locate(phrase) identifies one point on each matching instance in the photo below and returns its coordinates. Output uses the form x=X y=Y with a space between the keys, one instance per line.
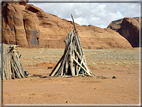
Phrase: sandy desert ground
x=106 y=63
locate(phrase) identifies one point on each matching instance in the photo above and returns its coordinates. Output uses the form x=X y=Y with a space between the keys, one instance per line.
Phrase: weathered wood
x=19 y=65
x=73 y=67
x=68 y=39
x=12 y=69
x=76 y=66
x=60 y=70
x=78 y=41
x=66 y=67
x=7 y=72
x=77 y=37
x=73 y=55
x=4 y=78
x=73 y=58
x=4 y=75
x=78 y=46
x=56 y=70
x=82 y=61
x=56 y=67
x=67 y=61
x=11 y=63
x=79 y=57
x=70 y=58
x=81 y=66
x=9 y=68
x=77 y=54
x=15 y=66
x=63 y=61
x=60 y=61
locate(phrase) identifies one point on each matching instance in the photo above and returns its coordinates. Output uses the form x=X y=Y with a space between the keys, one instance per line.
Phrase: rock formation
x=13 y=26
x=26 y=25
x=128 y=28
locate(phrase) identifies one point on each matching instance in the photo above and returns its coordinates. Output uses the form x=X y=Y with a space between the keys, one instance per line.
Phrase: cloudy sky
x=98 y=14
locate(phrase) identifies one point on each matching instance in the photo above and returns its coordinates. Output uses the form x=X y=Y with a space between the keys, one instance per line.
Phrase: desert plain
x=123 y=64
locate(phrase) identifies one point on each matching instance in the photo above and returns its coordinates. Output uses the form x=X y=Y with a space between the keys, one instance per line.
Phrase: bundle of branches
x=12 y=67
x=73 y=61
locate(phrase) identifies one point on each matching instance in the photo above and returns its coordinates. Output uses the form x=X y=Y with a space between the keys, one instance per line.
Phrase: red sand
x=74 y=90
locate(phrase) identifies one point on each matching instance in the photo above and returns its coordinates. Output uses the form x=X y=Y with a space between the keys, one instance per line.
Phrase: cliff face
x=27 y=26
x=128 y=28
x=13 y=26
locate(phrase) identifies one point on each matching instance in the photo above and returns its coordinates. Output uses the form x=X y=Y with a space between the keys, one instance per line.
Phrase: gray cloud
x=98 y=14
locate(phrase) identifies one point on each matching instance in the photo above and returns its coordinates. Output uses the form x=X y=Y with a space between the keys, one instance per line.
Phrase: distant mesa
x=27 y=26
x=129 y=28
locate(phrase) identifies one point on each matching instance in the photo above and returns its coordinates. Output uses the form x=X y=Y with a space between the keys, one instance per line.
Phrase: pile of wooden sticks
x=12 y=67
x=73 y=61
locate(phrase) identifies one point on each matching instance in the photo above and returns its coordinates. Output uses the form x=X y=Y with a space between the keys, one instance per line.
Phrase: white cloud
x=98 y=14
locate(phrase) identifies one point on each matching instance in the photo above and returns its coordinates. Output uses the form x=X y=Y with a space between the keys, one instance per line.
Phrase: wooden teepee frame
x=73 y=61
x=12 y=67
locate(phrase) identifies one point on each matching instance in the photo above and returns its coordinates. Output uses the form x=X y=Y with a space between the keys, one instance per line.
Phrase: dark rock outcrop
x=128 y=28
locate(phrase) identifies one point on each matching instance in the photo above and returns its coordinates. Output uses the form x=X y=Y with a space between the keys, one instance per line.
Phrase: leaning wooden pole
x=77 y=37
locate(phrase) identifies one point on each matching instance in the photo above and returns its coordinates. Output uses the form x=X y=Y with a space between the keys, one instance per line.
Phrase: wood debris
x=12 y=67
x=73 y=61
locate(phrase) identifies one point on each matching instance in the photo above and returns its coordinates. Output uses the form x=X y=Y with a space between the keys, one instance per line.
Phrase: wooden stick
x=4 y=63
x=73 y=67
x=4 y=67
x=15 y=70
x=82 y=61
x=12 y=68
x=78 y=46
x=19 y=65
x=4 y=78
x=77 y=38
x=81 y=66
x=70 y=59
x=76 y=66
x=7 y=72
x=66 y=67
x=15 y=67
x=9 y=67
x=63 y=58
x=56 y=67
x=60 y=70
